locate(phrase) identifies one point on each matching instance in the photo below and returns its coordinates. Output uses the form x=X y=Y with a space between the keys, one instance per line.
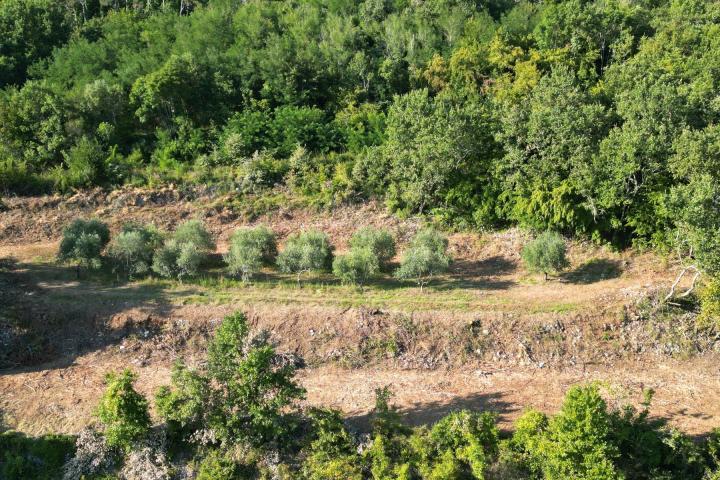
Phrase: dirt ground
x=487 y=335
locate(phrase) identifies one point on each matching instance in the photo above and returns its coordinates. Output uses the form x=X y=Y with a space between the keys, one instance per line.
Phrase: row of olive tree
x=141 y=249
x=238 y=415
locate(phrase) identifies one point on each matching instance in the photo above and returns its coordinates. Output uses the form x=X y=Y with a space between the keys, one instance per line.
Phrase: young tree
x=123 y=411
x=83 y=242
x=245 y=394
x=356 y=267
x=426 y=257
x=133 y=248
x=184 y=253
x=306 y=252
x=250 y=250
x=193 y=231
x=545 y=254
x=379 y=241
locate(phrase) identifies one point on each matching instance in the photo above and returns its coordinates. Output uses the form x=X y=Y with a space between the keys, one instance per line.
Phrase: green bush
x=132 y=249
x=356 y=267
x=306 y=252
x=83 y=242
x=83 y=166
x=332 y=454
x=545 y=254
x=123 y=411
x=243 y=374
x=250 y=250
x=710 y=304
x=425 y=258
x=185 y=252
x=217 y=466
x=378 y=240
x=40 y=458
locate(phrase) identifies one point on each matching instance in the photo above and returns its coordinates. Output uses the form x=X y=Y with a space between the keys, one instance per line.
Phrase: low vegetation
x=545 y=254
x=238 y=416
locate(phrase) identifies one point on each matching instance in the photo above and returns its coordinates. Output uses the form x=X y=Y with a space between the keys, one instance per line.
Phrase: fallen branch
x=680 y=276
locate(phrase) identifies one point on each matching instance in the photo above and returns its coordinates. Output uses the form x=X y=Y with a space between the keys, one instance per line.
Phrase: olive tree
x=83 y=242
x=357 y=266
x=379 y=241
x=425 y=258
x=545 y=254
x=250 y=250
x=133 y=248
x=306 y=252
x=184 y=252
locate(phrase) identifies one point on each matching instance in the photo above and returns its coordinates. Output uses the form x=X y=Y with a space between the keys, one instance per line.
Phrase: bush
x=306 y=252
x=243 y=374
x=84 y=166
x=83 y=242
x=545 y=254
x=426 y=257
x=193 y=231
x=217 y=466
x=133 y=248
x=379 y=241
x=710 y=304
x=185 y=252
x=332 y=454
x=23 y=457
x=123 y=411
x=250 y=250
x=356 y=267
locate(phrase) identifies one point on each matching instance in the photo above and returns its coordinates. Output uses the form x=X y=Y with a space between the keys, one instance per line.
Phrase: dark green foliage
x=306 y=252
x=250 y=250
x=83 y=242
x=123 y=411
x=41 y=458
x=243 y=374
x=545 y=254
x=133 y=249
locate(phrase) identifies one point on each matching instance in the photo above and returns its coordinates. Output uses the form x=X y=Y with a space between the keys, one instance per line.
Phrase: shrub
x=710 y=304
x=545 y=254
x=123 y=411
x=332 y=453
x=250 y=250
x=83 y=242
x=217 y=466
x=426 y=257
x=193 y=231
x=460 y=445
x=379 y=241
x=84 y=166
x=185 y=252
x=133 y=248
x=243 y=374
x=38 y=458
x=306 y=252
x=356 y=267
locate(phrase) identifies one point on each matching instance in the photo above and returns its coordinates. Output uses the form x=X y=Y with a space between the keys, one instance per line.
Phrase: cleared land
x=486 y=335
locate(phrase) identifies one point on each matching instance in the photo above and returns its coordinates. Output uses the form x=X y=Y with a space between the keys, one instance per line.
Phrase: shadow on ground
x=595 y=270
x=48 y=318
x=430 y=412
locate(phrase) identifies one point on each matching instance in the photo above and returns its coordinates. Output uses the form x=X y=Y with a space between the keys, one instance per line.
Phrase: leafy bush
x=545 y=254
x=39 y=458
x=426 y=257
x=332 y=454
x=217 y=466
x=185 y=252
x=250 y=250
x=243 y=374
x=306 y=252
x=356 y=267
x=83 y=163
x=83 y=242
x=710 y=304
x=123 y=411
x=379 y=241
x=133 y=248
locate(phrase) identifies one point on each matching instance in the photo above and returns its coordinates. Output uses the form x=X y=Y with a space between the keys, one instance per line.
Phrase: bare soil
x=487 y=335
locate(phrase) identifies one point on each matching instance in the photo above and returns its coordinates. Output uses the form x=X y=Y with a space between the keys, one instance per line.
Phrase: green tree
x=332 y=454
x=306 y=252
x=245 y=394
x=356 y=267
x=250 y=250
x=133 y=249
x=377 y=240
x=123 y=411
x=425 y=258
x=545 y=254
x=83 y=242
